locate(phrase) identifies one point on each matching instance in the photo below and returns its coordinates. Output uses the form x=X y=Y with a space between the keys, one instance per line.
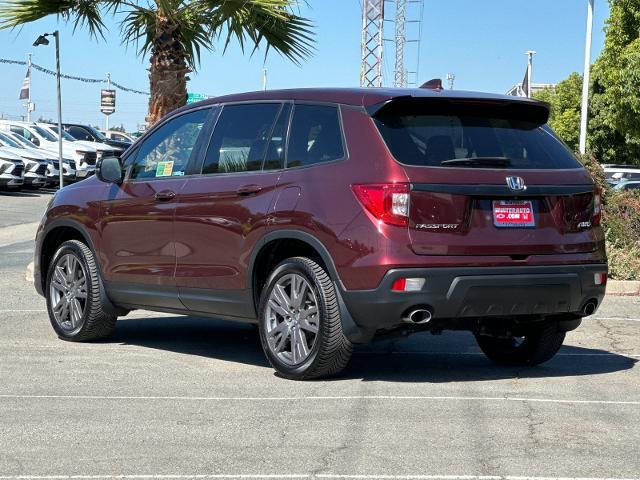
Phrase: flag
x=26 y=85
x=525 y=83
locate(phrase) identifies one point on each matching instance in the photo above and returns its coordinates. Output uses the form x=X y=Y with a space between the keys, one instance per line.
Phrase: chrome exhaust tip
x=418 y=316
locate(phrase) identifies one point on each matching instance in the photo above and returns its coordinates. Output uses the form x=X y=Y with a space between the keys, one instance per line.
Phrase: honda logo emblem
x=516 y=184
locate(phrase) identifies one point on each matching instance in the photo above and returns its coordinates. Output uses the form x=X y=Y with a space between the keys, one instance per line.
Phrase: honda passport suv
x=330 y=217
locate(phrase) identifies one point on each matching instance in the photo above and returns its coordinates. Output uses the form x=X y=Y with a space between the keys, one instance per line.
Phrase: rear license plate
x=513 y=214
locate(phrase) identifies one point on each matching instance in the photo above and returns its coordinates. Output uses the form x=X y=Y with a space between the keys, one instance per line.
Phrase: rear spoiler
x=529 y=110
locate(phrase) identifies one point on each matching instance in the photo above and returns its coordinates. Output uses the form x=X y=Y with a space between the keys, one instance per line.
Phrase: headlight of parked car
x=4 y=165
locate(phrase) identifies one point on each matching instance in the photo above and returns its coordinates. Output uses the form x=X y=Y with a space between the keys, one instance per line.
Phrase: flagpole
x=585 y=80
x=29 y=97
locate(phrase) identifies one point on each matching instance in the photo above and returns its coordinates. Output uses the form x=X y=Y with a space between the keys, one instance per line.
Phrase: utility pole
x=371 y=55
x=264 y=79
x=530 y=54
x=106 y=117
x=451 y=77
x=400 y=72
x=585 y=80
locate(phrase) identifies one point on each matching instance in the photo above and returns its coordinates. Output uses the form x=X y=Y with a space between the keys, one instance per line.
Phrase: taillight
x=597 y=207
x=387 y=202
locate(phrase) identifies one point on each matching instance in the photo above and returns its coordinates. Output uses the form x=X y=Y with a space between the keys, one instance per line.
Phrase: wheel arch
x=275 y=247
x=55 y=235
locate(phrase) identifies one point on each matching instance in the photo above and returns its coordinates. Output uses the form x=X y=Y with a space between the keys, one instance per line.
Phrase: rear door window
x=315 y=137
x=467 y=137
x=239 y=141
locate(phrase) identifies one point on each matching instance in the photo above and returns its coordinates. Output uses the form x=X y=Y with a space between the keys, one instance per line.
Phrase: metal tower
x=399 y=71
x=372 y=20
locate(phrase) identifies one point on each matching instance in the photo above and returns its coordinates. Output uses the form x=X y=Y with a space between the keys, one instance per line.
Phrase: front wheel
x=74 y=295
x=536 y=347
x=300 y=324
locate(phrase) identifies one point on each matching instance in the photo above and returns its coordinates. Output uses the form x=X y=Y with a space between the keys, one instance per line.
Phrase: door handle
x=249 y=190
x=165 y=195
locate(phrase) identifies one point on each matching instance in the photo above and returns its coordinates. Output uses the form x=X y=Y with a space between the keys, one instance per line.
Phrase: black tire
x=534 y=348
x=95 y=323
x=332 y=350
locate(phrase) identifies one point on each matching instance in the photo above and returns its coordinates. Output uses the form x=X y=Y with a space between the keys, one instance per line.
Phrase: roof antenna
x=433 y=84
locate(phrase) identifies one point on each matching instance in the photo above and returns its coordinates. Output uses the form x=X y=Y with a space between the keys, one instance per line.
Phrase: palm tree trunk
x=168 y=70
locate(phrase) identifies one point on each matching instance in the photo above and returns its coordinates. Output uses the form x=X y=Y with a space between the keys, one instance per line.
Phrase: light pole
x=530 y=55
x=585 y=80
x=42 y=40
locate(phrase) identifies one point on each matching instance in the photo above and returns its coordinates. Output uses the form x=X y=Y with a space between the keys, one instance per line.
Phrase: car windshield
x=46 y=134
x=65 y=135
x=8 y=141
x=96 y=133
x=20 y=139
x=472 y=138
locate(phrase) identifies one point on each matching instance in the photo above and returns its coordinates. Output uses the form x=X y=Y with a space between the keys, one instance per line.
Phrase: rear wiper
x=477 y=162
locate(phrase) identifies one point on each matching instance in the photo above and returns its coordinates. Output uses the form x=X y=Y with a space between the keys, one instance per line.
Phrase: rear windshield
x=472 y=140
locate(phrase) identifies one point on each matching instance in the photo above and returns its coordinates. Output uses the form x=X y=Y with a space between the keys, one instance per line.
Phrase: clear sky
x=482 y=42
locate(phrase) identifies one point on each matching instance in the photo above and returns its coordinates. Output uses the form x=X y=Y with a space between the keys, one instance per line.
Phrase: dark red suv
x=333 y=216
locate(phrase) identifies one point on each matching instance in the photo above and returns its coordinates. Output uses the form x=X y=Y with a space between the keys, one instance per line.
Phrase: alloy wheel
x=292 y=319
x=68 y=293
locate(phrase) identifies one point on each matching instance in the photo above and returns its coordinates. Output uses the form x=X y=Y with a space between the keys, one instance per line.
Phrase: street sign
x=107 y=101
x=195 y=97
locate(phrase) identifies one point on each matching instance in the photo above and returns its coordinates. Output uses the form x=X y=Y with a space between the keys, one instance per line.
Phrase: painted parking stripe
x=327 y=476
x=412 y=398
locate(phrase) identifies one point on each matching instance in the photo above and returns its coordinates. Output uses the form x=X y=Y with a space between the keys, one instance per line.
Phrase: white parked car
x=35 y=163
x=84 y=156
x=620 y=173
x=102 y=149
x=11 y=170
x=53 y=172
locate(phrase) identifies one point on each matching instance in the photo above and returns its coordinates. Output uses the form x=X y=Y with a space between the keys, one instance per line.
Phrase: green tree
x=175 y=31
x=564 y=100
x=615 y=99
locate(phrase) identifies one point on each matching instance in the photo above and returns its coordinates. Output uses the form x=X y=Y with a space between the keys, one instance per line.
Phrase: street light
x=42 y=40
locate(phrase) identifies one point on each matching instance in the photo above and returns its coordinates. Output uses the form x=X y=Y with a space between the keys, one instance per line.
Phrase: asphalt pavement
x=171 y=397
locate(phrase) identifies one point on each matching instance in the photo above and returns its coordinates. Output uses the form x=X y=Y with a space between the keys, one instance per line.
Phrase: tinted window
x=79 y=133
x=23 y=131
x=469 y=133
x=274 y=158
x=315 y=135
x=166 y=152
x=46 y=134
x=239 y=141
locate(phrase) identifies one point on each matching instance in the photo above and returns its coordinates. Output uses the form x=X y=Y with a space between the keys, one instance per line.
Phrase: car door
x=221 y=214
x=137 y=233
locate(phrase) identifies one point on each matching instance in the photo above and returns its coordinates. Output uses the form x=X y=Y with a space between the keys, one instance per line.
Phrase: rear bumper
x=466 y=293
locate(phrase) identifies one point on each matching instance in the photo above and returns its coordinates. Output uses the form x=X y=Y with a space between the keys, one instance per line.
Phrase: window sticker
x=164 y=169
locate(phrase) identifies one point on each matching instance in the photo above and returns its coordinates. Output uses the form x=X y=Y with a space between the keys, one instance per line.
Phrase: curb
x=623 y=287
x=29 y=275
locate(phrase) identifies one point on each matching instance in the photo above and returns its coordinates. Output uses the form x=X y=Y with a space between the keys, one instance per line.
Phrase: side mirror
x=109 y=170
x=35 y=141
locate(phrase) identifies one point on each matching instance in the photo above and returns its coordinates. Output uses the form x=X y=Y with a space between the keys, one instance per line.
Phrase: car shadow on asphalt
x=450 y=357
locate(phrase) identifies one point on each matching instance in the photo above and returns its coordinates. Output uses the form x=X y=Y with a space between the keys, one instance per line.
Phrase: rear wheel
x=538 y=346
x=300 y=323
x=74 y=295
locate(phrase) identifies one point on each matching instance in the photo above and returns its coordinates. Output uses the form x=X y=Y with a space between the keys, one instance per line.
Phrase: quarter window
x=315 y=136
x=167 y=151
x=239 y=142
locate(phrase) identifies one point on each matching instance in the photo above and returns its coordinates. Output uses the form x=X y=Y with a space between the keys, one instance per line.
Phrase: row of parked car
x=623 y=177
x=29 y=152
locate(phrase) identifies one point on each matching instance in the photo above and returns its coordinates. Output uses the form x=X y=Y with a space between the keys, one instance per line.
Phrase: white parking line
x=327 y=476
x=411 y=398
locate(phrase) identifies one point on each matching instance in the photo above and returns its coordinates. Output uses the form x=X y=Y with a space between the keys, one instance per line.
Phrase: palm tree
x=175 y=31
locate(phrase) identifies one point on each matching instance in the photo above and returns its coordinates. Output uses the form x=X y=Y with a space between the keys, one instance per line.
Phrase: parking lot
x=180 y=397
